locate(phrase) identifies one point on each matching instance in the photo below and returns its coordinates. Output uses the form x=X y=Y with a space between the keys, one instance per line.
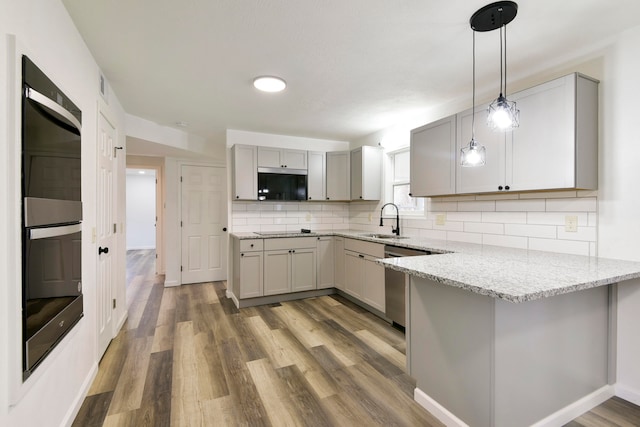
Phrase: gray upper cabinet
x=366 y=173
x=433 y=159
x=316 y=175
x=338 y=176
x=555 y=147
x=270 y=157
x=245 y=167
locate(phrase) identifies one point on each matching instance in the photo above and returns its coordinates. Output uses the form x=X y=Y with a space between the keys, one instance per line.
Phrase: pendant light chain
x=473 y=91
x=501 y=63
x=505 y=58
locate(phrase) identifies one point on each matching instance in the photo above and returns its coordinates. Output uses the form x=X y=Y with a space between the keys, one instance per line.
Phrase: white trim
x=577 y=408
x=437 y=410
x=233 y=297
x=558 y=418
x=120 y=324
x=171 y=283
x=77 y=402
x=627 y=393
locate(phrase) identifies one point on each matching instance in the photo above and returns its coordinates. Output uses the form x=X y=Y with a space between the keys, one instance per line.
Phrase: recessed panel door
x=204 y=237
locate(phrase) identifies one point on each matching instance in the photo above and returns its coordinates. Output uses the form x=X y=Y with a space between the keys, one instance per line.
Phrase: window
x=400 y=164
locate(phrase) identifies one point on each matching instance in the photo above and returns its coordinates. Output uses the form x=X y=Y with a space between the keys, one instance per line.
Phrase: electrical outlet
x=370 y=217
x=307 y=217
x=441 y=219
x=571 y=223
x=93 y=235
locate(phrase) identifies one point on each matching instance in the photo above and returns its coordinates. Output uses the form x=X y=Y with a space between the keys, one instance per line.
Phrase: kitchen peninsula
x=508 y=337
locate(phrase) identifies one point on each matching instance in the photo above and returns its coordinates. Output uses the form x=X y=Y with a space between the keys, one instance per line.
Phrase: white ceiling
x=353 y=67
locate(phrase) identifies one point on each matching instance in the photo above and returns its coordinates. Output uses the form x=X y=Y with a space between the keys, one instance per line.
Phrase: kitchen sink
x=384 y=236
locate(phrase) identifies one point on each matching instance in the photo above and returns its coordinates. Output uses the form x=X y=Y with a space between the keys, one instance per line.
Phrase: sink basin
x=384 y=236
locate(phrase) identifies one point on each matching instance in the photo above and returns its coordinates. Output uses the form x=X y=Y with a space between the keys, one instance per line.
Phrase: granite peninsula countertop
x=514 y=275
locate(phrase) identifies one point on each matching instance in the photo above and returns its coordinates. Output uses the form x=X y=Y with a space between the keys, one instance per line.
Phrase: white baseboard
x=82 y=394
x=437 y=410
x=628 y=394
x=577 y=408
x=120 y=324
x=171 y=283
x=558 y=418
x=233 y=298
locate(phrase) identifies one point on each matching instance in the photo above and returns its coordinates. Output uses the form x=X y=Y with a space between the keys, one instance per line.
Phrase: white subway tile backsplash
x=505 y=217
x=443 y=207
x=562 y=246
x=542 y=231
x=586 y=204
x=484 y=227
x=506 y=241
x=531 y=220
x=434 y=234
x=464 y=216
x=587 y=234
x=556 y=218
x=549 y=195
x=532 y=205
x=477 y=206
x=502 y=196
x=464 y=237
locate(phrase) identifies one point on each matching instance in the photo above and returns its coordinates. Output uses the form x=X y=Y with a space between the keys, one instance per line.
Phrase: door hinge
x=180 y=268
x=114 y=303
x=180 y=179
x=156 y=256
x=115 y=229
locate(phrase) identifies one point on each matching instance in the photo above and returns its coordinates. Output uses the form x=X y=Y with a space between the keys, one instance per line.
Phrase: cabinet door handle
x=361 y=256
x=410 y=194
x=500 y=187
x=361 y=197
x=293 y=251
x=252 y=245
x=237 y=197
x=241 y=254
x=224 y=228
x=506 y=187
x=327 y=198
x=309 y=198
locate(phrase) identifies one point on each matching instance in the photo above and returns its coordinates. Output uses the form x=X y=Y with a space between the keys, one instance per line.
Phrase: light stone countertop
x=514 y=275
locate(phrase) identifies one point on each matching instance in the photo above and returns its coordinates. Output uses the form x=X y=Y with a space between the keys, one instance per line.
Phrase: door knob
x=102 y=250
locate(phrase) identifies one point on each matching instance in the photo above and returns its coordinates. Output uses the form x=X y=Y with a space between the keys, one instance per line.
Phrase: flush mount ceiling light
x=503 y=114
x=269 y=84
x=473 y=155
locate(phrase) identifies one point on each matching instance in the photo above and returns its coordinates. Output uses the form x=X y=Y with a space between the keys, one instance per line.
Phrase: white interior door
x=106 y=239
x=204 y=224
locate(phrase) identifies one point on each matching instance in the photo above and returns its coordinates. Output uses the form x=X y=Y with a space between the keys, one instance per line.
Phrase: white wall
x=44 y=31
x=619 y=197
x=141 y=210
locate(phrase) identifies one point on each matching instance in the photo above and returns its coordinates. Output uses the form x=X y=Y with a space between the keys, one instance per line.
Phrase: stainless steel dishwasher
x=394 y=284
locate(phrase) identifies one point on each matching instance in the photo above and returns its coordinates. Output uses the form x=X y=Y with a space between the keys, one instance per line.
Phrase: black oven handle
x=44 y=233
x=36 y=96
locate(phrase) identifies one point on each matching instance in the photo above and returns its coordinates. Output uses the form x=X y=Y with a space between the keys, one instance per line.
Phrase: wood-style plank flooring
x=187 y=357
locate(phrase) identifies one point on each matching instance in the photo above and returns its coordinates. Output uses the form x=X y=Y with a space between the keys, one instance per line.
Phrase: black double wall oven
x=51 y=216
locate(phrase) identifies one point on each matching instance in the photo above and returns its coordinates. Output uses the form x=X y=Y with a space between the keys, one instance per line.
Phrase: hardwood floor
x=187 y=357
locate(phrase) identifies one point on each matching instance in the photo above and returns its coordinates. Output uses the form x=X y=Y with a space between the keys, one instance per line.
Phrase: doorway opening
x=142 y=222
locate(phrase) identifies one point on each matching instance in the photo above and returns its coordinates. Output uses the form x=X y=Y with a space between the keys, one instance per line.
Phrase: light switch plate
x=307 y=217
x=571 y=223
x=441 y=219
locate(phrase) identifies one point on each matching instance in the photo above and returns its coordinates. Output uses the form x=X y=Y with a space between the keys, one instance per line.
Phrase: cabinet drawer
x=250 y=245
x=374 y=249
x=290 y=243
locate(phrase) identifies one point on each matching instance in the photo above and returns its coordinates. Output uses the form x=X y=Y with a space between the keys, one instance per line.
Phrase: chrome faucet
x=396 y=230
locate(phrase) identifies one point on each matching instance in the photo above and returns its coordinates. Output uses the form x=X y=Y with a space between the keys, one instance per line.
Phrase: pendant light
x=503 y=115
x=473 y=154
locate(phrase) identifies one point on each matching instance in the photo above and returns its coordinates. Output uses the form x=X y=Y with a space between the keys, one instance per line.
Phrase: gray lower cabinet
x=364 y=279
x=339 y=261
x=248 y=278
x=289 y=265
x=326 y=262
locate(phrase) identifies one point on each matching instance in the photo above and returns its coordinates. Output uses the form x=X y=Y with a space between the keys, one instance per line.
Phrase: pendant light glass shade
x=473 y=155
x=503 y=114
